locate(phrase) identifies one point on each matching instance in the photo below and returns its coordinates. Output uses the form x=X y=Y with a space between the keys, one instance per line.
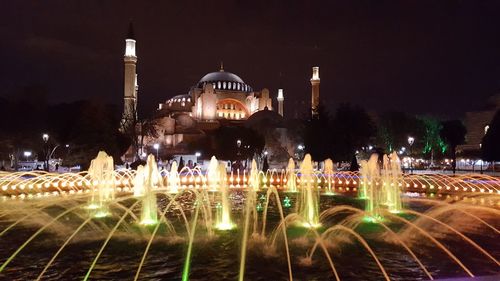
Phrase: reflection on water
x=217 y=258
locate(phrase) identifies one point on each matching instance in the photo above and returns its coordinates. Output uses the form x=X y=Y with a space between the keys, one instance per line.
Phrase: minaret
x=281 y=98
x=315 y=91
x=130 y=82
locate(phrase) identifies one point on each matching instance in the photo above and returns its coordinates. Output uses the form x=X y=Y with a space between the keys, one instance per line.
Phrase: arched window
x=231 y=109
x=486 y=128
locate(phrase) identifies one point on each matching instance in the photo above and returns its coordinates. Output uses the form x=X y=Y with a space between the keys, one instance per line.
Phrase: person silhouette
x=181 y=164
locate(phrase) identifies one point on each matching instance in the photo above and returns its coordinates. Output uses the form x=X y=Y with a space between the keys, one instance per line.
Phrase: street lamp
x=157 y=147
x=197 y=154
x=411 y=140
x=45 y=138
x=300 y=152
x=238 y=145
x=27 y=154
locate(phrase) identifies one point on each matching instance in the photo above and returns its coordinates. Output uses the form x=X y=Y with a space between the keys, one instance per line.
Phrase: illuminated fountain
x=249 y=213
x=371 y=188
x=151 y=179
x=391 y=178
x=139 y=181
x=174 y=180
x=223 y=217
x=291 y=178
x=328 y=174
x=448 y=227
x=380 y=185
x=363 y=181
x=254 y=181
x=102 y=179
x=308 y=197
x=213 y=174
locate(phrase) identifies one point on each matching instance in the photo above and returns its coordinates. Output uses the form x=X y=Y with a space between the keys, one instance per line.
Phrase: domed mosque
x=219 y=95
x=218 y=98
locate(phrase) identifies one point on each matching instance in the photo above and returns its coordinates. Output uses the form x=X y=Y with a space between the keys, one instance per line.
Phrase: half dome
x=265 y=118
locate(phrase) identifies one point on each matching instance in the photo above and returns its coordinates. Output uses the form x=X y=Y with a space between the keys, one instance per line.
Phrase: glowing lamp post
x=45 y=138
x=300 y=149
x=197 y=154
x=411 y=140
x=27 y=154
x=157 y=147
x=238 y=145
x=67 y=149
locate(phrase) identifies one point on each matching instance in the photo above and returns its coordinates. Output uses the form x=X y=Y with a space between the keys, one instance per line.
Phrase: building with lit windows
x=218 y=95
x=219 y=98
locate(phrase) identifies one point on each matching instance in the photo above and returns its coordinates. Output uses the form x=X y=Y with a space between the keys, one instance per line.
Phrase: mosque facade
x=219 y=97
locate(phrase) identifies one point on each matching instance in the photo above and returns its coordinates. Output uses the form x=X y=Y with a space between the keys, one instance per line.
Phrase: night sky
x=438 y=57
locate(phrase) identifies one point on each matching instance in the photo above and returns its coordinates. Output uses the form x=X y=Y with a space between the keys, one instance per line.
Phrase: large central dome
x=223 y=80
x=221 y=76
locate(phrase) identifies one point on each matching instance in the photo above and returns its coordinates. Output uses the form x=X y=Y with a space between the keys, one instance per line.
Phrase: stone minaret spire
x=130 y=82
x=281 y=98
x=315 y=91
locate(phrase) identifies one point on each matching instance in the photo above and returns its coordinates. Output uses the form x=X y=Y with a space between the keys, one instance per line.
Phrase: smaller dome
x=179 y=103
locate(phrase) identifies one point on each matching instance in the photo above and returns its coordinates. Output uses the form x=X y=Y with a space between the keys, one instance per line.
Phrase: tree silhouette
x=223 y=143
x=137 y=130
x=431 y=138
x=490 y=147
x=453 y=134
x=352 y=129
x=394 y=128
x=318 y=135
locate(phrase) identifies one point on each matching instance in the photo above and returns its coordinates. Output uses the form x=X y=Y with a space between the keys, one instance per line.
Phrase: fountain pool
x=327 y=225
